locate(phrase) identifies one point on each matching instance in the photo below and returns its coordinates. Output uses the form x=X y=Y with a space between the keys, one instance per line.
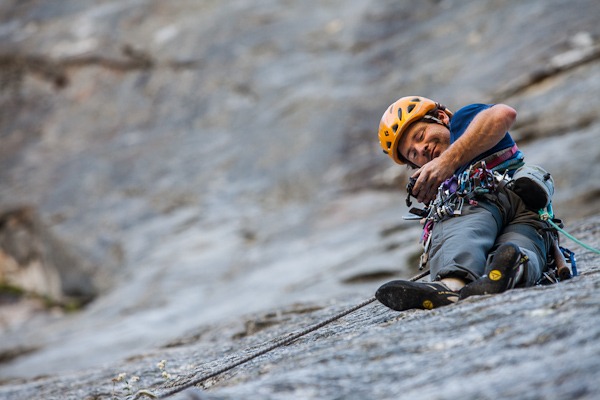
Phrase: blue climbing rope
x=547 y=216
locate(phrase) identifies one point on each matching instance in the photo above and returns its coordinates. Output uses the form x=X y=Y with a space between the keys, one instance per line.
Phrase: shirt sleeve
x=459 y=124
x=463 y=117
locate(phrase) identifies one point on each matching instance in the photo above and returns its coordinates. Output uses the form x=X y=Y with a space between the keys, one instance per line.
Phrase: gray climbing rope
x=279 y=343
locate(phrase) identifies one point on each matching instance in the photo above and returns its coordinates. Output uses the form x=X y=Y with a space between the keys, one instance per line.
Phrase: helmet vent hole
x=399 y=115
x=410 y=108
x=389 y=144
x=394 y=128
x=416 y=99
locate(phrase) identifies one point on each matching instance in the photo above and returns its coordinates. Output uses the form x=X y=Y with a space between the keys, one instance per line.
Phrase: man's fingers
x=421 y=182
x=427 y=191
x=424 y=194
x=427 y=196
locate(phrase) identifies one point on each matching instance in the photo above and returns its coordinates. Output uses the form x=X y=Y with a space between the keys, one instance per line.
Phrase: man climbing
x=482 y=232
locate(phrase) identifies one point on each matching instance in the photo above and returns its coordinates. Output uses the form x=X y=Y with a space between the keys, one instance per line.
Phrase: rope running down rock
x=279 y=343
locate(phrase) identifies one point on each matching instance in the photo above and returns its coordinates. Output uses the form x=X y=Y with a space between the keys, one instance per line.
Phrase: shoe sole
x=406 y=295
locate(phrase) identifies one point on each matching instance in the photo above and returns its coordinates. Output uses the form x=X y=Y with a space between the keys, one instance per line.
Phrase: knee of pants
x=460 y=245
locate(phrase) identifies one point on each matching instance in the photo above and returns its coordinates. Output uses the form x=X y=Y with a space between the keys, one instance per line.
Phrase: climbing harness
x=452 y=195
x=278 y=343
x=478 y=181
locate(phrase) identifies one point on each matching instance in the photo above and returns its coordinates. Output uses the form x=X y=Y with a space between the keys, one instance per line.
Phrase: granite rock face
x=216 y=163
x=32 y=259
x=534 y=343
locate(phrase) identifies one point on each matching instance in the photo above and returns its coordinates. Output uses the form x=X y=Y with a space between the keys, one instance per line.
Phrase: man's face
x=424 y=141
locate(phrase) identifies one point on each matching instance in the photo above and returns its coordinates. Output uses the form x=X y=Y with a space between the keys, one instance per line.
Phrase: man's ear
x=442 y=116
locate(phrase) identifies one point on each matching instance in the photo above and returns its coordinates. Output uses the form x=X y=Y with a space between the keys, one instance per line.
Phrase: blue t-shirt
x=459 y=123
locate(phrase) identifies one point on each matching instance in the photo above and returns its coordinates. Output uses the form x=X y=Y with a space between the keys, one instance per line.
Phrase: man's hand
x=429 y=178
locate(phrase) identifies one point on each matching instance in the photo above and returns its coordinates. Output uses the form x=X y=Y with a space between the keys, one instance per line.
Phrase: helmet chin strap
x=429 y=118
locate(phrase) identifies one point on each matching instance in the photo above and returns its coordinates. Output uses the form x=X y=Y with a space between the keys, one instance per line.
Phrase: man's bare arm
x=484 y=132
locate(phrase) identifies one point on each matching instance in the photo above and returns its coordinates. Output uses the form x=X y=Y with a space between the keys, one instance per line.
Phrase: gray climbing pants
x=461 y=246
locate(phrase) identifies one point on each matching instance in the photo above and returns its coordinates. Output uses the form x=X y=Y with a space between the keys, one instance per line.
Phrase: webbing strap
x=499 y=157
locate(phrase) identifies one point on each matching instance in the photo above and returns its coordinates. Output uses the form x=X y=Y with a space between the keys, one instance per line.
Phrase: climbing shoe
x=405 y=295
x=499 y=275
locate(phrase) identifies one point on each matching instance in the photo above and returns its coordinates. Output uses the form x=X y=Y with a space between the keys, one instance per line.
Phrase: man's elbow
x=506 y=114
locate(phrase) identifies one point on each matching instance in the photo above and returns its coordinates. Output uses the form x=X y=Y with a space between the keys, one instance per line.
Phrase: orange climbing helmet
x=399 y=116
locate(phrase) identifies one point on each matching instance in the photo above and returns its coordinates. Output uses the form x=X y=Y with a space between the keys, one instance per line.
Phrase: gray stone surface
x=534 y=343
x=32 y=259
x=217 y=164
